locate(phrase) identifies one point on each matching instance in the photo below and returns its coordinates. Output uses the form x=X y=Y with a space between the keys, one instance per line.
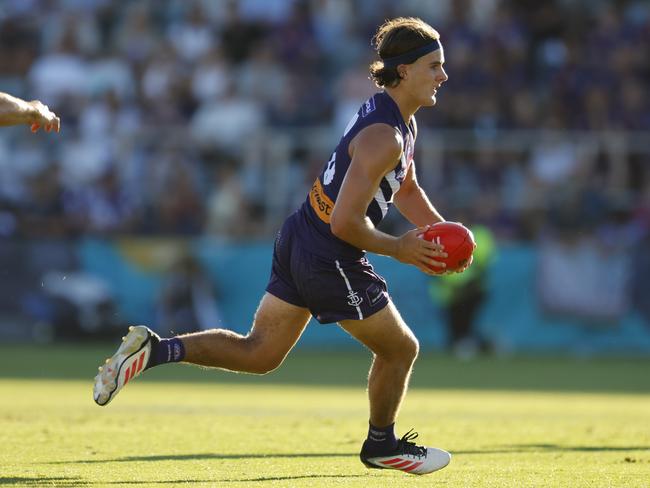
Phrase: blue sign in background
x=511 y=317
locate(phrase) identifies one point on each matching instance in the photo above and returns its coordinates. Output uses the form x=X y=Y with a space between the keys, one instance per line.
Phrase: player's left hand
x=42 y=116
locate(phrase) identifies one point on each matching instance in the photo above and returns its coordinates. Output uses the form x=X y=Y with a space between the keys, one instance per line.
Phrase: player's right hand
x=412 y=249
x=42 y=116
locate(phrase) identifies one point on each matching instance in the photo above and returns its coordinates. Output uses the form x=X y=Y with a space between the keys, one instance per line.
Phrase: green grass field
x=537 y=422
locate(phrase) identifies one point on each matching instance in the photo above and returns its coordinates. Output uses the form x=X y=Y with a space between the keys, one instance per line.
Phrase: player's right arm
x=374 y=151
x=15 y=111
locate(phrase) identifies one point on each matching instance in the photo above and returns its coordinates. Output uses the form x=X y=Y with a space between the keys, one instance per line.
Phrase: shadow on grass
x=509 y=449
x=42 y=480
x=260 y=479
x=515 y=448
x=191 y=457
x=65 y=481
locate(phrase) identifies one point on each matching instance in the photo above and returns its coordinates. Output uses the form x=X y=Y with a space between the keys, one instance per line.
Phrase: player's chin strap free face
x=412 y=56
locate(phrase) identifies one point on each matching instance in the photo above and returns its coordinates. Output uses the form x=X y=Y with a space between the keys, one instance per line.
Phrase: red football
x=458 y=241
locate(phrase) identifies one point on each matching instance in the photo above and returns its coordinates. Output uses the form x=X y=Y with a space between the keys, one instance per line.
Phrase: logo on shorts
x=374 y=294
x=354 y=299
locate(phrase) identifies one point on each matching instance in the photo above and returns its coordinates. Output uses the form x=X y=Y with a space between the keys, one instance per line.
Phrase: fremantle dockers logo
x=354 y=299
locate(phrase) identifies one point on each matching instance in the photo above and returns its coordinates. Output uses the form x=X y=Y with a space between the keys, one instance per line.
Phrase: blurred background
x=191 y=129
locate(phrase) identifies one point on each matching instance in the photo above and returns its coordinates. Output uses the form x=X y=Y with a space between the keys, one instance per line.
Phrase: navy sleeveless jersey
x=315 y=213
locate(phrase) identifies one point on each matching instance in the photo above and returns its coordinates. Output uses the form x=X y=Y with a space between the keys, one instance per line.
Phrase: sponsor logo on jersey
x=368 y=107
x=320 y=202
x=354 y=299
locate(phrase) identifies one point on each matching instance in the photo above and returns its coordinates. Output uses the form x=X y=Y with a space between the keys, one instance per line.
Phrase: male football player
x=319 y=266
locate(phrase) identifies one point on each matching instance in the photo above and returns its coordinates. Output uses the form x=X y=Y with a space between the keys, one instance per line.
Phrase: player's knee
x=404 y=351
x=412 y=349
x=264 y=364
x=408 y=350
x=262 y=359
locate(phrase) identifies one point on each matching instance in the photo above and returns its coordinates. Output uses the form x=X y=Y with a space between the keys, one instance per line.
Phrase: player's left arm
x=413 y=203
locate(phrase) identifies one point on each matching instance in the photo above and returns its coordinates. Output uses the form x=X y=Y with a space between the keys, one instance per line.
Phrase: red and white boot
x=128 y=362
x=408 y=457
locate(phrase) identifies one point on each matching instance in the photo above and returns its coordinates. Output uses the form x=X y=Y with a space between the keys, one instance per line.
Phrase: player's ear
x=402 y=71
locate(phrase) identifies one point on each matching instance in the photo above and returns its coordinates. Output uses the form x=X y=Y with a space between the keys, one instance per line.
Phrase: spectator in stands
x=225 y=68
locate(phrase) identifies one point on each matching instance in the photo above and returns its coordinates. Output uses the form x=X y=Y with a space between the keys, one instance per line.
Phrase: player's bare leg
x=276 y=328
x=395 y=349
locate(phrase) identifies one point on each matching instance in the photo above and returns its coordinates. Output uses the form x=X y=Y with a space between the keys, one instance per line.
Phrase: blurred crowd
x=160 y=102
